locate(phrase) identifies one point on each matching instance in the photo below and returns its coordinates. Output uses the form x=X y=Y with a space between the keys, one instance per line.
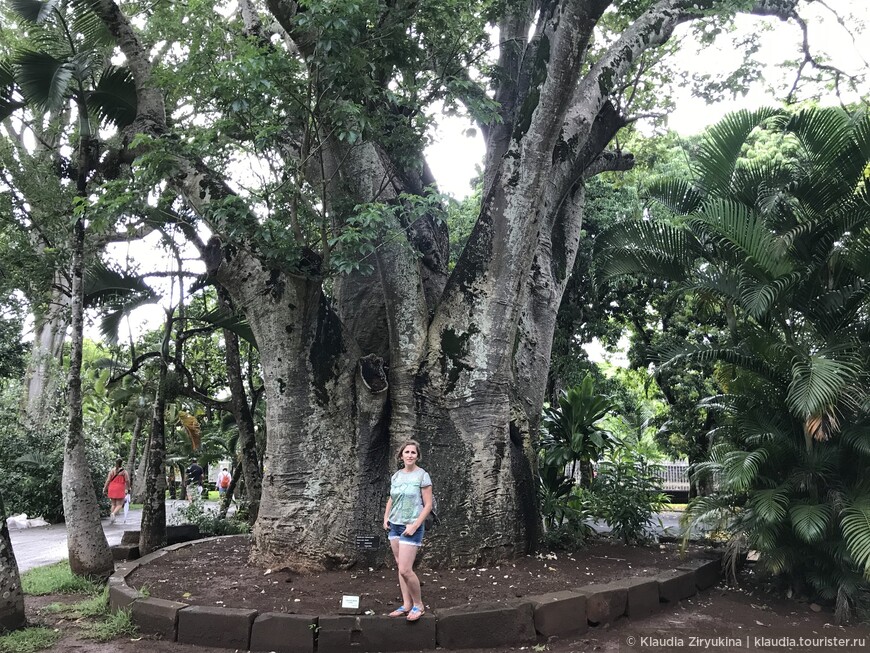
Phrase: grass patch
x=94 y=606
x=114 y=625
x=28 y=640
x=56 y=579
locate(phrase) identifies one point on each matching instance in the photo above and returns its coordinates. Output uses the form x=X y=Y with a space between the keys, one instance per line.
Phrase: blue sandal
x=399 y=612
x=415 y=613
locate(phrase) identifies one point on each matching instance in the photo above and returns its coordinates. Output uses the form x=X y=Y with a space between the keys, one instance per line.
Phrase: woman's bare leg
x=407 y=600
x=407 y=554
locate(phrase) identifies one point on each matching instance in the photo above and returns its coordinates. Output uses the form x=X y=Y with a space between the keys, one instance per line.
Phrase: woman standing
x=409 y=503
x=116 y=487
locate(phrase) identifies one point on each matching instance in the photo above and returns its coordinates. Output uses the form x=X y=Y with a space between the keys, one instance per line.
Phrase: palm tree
x=782 y=246
x=68 y=63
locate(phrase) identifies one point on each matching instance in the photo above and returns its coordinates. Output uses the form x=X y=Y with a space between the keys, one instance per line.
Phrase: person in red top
x=116 y=487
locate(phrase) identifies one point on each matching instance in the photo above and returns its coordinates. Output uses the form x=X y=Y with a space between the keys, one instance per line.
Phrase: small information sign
x=368 y=541
x=349 y=602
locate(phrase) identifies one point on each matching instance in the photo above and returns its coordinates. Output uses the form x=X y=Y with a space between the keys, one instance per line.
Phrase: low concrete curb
x=473 y=626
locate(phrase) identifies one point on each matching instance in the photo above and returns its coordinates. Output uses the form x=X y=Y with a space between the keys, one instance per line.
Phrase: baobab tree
x=368 y=333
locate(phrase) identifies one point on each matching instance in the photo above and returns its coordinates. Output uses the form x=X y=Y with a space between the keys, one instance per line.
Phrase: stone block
x=125 y=552
x=283 y=633
x=157 y=617
x=130 y=537
x=221 y=627
x=151 y=557
x=560 y=613
x=340 y=634
x=643 y=596
x=121 y=595
x=486 y=626
x=183 y=533
x=123 y=570
x=707 y=572
x=676 y=585
x=605 y=603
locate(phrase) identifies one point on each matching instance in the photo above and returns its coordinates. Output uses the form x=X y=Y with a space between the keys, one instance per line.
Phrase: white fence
x=675 y=476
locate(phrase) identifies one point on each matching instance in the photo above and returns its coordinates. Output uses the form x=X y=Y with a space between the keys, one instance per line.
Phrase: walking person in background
x=116 y=488
x=223 y=482
x=194 y=479
x=409 y=503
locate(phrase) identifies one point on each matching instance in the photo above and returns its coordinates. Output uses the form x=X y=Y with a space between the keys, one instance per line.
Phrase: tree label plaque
x=368 y=542
x=349 y=602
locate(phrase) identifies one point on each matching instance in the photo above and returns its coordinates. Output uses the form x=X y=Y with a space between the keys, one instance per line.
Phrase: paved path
x=44 y=545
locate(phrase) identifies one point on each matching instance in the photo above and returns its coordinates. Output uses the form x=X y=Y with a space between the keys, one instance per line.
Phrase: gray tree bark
x=11 y=596
x=43 y=369
x=134 y=443
x=89 y=553
x=152 y=532
x=244 y=420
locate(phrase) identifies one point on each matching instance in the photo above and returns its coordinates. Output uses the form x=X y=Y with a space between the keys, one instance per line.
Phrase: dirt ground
x=224 y=578
x=741 y=618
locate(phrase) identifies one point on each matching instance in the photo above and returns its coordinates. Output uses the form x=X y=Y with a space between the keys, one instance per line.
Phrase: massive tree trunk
x=89 y=553
x=43 y=368
x=244 y=420
x=458 y=361
x=152 y=533
x=134 y=442
x=11 y=596
x=138 y=492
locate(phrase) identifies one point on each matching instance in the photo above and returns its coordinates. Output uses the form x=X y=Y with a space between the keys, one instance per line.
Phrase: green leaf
x=855 y=524
x=114 y=98
x=810 y=521
x=44 y=80
x=771 y=506
x=33 y=11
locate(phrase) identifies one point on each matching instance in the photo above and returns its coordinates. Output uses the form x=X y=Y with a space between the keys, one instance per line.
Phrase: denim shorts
x=397 y=533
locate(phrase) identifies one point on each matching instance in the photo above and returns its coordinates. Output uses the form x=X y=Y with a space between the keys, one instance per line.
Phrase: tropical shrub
x=571 y=438
x=781 y=245
x=31 y=460
x=208 y=520
x=627 y=493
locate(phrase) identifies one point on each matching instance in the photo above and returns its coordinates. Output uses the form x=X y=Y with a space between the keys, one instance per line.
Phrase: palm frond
x=110 y=323
x=741 y=468
x=33 y=11
x=856 y=437
x=678 y=195
x=771 y=506
x=114 y=98
x=44 y=79
x=855 y=525
x=722 y=145
x=104 y=285
x=810 y=520
x=221 y=319
x=759 y=297
x=88 y=23
x=821 y=380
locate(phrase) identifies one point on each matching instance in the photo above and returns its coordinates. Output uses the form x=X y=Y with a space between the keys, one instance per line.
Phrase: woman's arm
x=387 y=513
x=426 y=493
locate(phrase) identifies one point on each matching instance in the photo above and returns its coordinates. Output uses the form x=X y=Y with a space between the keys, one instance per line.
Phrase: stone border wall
x=480 y=626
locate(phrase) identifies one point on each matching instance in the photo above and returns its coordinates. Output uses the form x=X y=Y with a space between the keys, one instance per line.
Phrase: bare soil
x=223 y=577
x=743 y=618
